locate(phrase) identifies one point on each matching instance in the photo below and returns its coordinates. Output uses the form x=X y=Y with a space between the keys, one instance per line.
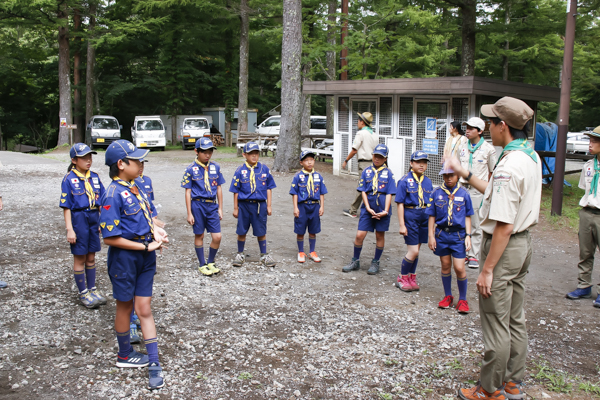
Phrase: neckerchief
x=89 y=190
x=596 y=178
x=252 y=177
x=520 y=145
x=450 y=200
x=420 y=192
x=310 y=184
x=145 y=204
x=368 y=128
x=473 y=149
x=376 y=179
x=206 y=181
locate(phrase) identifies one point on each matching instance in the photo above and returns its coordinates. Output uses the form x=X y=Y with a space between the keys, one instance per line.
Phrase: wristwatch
x=145 y=243
x=469 y=176
x=468 y=234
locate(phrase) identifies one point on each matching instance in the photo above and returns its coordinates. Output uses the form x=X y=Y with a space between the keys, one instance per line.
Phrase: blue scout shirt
x=385 y=185
x=243 y=186
x=73 y=195
x=145 y=183
x=408 y=190
x=121 y=213
x=461 y=207
x=300 y=186
x=193 y=178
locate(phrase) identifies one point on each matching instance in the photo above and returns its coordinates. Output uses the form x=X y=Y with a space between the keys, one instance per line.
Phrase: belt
x=592 y=210
x=86 y=209
x=364 y=160
x=147 y=238
x=252 y=201
x=488 y=236
x=310 y=202
x=451 y=228
x=417 y=207
x=201 y=200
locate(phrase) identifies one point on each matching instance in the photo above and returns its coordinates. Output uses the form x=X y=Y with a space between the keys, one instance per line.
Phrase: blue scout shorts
x=252 y=212
x=417 y=228
x=85 y=225
x=131 y=272
x=309 y=218
x=450 y=243
x=206 y=216
x=367 y=223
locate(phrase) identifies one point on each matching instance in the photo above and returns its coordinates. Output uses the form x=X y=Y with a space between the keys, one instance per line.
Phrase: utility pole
x=344 y=55
x=563 y=113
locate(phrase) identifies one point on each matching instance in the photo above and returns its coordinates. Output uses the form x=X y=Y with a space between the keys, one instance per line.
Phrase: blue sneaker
x=136 y=320
x=580 y=293
x=98 y=296
x=133 y=360
x=88 y=300
x=155 y=377
x=597 y=302
x=134 y=337
x=3 y=284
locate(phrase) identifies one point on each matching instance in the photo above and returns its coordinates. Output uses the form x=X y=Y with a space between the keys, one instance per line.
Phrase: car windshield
x=196 y=124
x=150 y=125
x=272 y=122
x=318 y=123
x=105 y=123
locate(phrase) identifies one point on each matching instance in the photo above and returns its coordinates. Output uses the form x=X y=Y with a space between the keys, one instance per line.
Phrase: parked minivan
x=102 y=130
x=318 y=125
x=148 y=131
x=192 y=129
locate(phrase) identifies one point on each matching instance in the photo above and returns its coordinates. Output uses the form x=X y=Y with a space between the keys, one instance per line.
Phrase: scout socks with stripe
x=90 y=275
x=357 y=250
x=125 y=347
x=200 y=254
x=462 y=288
x=447 y=282
x=263 y=246
x=241 y=244
x=413 y=270
x=312 y=241
x=300 y=246
x=152 y=349
x=407 y=266
x=212 y=253
x=80 y=281
x=378 y=252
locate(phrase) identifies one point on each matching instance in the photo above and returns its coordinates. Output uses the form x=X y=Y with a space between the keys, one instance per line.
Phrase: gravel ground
x=292 y=332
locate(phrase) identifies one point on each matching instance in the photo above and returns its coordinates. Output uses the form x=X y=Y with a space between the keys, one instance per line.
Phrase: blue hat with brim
x=120 y=149
x=205 y=144
x=382 y=150
x=594 y=133
x=251 y=146
x=446 y=170
x=80 y=150
x=419 y=155
x=306 y=153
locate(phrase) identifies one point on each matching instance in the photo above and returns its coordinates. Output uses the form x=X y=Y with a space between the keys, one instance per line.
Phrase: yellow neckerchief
x=420 y=192
x=252 y=177
x=206 y=181
x=143 y=202
x=310 y=184
x=89 y=190
x=450 y=200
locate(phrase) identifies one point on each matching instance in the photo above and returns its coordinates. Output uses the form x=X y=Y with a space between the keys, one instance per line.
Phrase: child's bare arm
x=71 y=236
x=295 y=204
x=235 y=205
x=269 y=197
x=188 y=206
x=322 y=208
x=220 y=200
x=432 y=243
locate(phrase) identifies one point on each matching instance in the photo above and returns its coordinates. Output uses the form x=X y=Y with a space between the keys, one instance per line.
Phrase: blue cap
x=382 y=150
x=205 y=144
x=251 y=146
x=419 y=155
x=120 y=149
x=80 y=150
x=446 y=170
x=306 y=153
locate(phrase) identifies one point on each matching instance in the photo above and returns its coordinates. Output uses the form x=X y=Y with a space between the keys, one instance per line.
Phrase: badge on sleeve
x=75 y=181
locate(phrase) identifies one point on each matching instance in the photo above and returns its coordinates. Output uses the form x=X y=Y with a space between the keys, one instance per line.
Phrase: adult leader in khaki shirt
x=364 y=143
x=510 y=207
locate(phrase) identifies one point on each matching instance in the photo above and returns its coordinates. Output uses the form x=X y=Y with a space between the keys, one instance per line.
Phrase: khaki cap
x=366 y=117
x=594 y=133
x=510 y=110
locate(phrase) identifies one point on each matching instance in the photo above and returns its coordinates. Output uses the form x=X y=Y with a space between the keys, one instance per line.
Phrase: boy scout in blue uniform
x=251 y=186
x=308 y=197
x=81 y=190
x=450 y=235
x=377 y=185
x=129 y=231
x=412 y=198
x=145 y=182
x=202 y=181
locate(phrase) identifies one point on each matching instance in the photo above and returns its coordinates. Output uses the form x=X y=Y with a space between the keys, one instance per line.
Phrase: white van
x=318 y=125
x=192 y=129
x=102 y=130
x=148 y=131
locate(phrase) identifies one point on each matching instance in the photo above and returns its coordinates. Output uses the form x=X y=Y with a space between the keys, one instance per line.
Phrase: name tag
x=459 y=198
x=384 y=174
x=317 y=179
x=95 y=180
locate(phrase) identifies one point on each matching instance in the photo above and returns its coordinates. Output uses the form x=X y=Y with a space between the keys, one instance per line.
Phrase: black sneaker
x=349 y=214
x=353 y=266
x=133 y=360
x=374 y=267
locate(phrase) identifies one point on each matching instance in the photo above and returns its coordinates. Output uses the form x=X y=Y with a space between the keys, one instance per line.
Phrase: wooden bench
x=263 y=140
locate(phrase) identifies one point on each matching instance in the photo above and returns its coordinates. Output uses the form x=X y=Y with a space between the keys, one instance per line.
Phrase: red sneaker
x=404 y=283
x=447 y=302
x=462 y=307
x=413 y=282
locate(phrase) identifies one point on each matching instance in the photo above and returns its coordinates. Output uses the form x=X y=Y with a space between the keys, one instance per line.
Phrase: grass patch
x=570 y=210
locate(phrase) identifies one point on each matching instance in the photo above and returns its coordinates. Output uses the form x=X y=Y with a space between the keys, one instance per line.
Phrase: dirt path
x=297 y=331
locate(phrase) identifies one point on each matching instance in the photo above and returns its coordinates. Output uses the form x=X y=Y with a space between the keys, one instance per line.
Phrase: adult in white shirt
x=455 y=140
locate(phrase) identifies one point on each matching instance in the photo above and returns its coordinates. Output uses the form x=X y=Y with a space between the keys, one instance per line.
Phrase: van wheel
x=161 y=148
x=182 y=145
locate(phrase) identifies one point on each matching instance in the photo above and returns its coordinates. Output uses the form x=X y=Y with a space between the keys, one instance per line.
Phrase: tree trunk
x=331 y=63
x=64 y=72
x=77 y=137
x=288 y=145
x=305 y=119
x=89 y=71
x=469 y=23
x=506 y=43
x=244 y=55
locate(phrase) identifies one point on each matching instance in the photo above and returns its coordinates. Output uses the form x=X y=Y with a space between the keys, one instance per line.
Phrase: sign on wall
x=430 y=146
